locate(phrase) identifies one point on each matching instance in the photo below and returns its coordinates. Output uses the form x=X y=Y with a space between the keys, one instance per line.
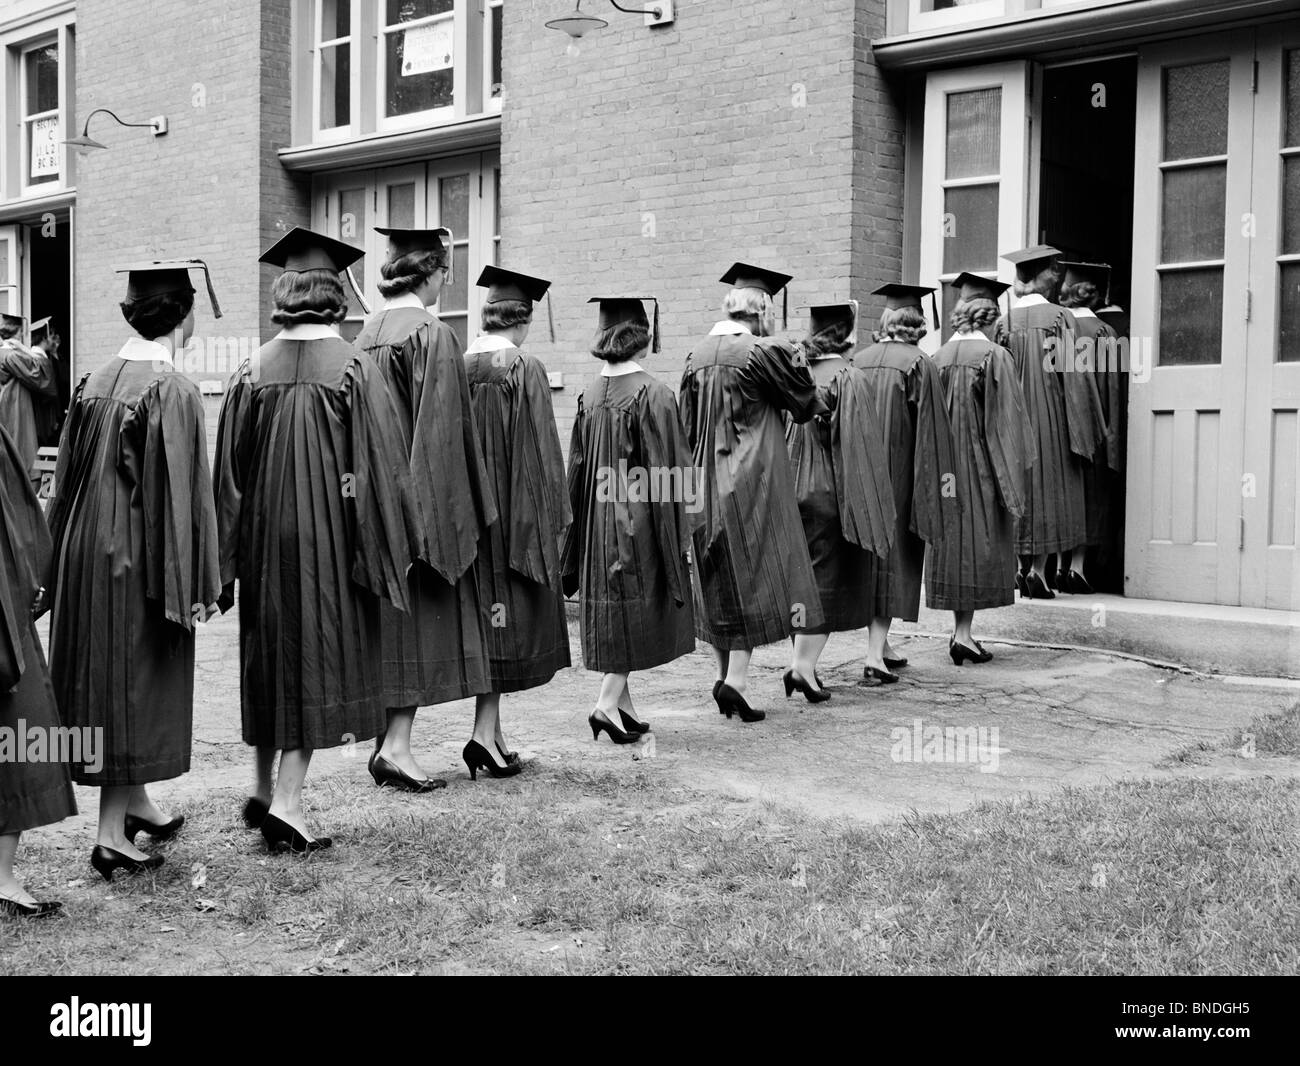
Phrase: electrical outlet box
x=666 y=15
x=556 y=378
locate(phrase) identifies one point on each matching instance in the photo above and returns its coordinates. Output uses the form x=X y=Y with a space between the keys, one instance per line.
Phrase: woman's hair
x=8 y=332
x=905 y=324
x=1080 y=294
x=622 y=342
x=751 y=306
x=158 y=316
x=1043 y=283
x=975 y=313
x=302 y=296
x=833 y=340
x=506 y=314
x=406 y=273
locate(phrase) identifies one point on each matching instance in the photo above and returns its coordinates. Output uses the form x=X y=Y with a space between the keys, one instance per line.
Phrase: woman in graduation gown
x=1082 y=291
x=38 y=793
x=520 y=586
x=841 y=481
x=753 y=579
x=1064 y=415
x=26 y=384
x=909 y=403
x=437 y=652
x=627 y=549
x=135 y=549
x=312 y=478
x=972 y=566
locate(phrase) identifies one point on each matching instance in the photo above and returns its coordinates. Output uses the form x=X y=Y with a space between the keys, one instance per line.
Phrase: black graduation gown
x=627 y=549
x=437 y=652
x=136 y=566
x=909 y=402
x=846 y=501
x=973 y=565
x=520 y=586
x=1102 y=485
x=312 y=483
x=31 y=793
x=754 y=582
x=1065 y=416
x=26 y=382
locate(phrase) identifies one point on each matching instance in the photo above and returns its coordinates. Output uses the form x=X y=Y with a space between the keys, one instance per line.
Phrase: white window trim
x=334 y=133
x=491 y=104
x=918 y=21
x=386 y=123
x=26 y=119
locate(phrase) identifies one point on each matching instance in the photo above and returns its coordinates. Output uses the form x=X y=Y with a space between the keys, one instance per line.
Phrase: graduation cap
x=405 y=241
x=899 y=295
x=824 y=316
x=1096 y=273
x=973 y=286
x=39 y=327
x=509 y=286
x=302 y=249
x=1030 y=261
x=12 y=321
x=772 y=282
x=615 y=310
x=166 y=277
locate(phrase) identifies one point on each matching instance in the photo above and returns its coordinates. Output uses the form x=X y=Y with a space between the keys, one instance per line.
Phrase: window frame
x=318 y=46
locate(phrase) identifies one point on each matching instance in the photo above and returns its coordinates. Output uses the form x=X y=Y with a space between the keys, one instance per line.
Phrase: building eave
x=1040 y=33
x=387 y=148
x=29 y=207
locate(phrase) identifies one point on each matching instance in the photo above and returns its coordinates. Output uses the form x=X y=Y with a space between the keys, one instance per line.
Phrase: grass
x=617 y=872
x=1271 y=734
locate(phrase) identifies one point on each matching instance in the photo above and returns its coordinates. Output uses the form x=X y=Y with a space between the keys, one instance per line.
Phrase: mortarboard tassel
x=655 y=346
x=550 y=315
x=934 y=306
x=357 y=289
x=212 y=293
x=785 y=308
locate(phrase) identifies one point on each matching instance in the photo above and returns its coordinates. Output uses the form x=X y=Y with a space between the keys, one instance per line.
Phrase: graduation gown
x=919 y=450
x=31 y=793
x=26 y=381
x=312 y=479
x=1102 y=486
x=846 y=501
x=520 y=586
x=1065 y=416
x=973 y=565
x=136 y=566
x=626 y=552
x=754 y=581
x=437 y=652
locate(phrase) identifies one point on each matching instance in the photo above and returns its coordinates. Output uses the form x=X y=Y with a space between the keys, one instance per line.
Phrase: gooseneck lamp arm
x=85 y=130
x=656 y=11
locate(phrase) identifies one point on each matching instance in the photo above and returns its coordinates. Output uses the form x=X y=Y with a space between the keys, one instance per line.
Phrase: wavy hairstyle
x=406 y=273
x=903 y=324
x=833 y=340
x=1080 y=294
x=303 y=296
x=975 y=313
x=621 y=342
x=754 y=307
x=157 y=316
x=506 y=314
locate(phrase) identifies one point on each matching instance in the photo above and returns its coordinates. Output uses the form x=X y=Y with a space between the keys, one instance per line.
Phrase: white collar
x=973 y=335
x=1033 y=299
x=406 y=299
x=730 y=328
x=139 y=350
x=1114 y=307
x=488 y=342
x=308 y=331
x=618 y=370
x=1082 y=312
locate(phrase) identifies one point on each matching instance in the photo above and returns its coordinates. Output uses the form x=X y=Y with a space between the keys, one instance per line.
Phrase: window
x=1289 y=261
x=417 y=58
x=492 y=57
x=333 y=64
x=458 y=193
x=42 y=140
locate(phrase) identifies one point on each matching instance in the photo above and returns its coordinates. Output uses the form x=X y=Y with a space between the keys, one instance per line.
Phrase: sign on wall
x=45 y=148
x=426 y=49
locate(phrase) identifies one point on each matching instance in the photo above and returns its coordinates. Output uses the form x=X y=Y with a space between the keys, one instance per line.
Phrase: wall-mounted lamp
x=85 y=143
x=577 y=25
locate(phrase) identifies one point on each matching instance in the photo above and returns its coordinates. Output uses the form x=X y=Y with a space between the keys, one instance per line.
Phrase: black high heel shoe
x=894 y=664
x=14 y=909
x=631 y=724
x=1022 y=586
x=133 y=826
x=732 y=702
x=962 y=654
x=386 y=774
x=255 y=812
x=479 y=758
x=106 y=861
x=618 y=736
x=281 y=836
x=812 y=695
x=1037 y=587
x=883 y=677
x=1076 y=584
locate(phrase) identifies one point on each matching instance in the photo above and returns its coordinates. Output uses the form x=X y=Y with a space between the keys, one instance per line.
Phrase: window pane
x=496 y=204
x=43 y=80
x=401 y=206
x=5 y=294
x=455 y=297
x=453 y=199
x=1196 y=110
x=974 y=133
x=970 y=228
x=400 y=11
x=1289 y=304
x=1195 y=199
x=496 y=50
x=335 y=19
x=1291 y=205
x=412 y=86
x=1293 y=98
x=335 y=86
x=1191 y=317
x=353 y=226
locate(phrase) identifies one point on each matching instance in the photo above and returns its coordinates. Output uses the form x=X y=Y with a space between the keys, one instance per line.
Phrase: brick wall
x=655 y=158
